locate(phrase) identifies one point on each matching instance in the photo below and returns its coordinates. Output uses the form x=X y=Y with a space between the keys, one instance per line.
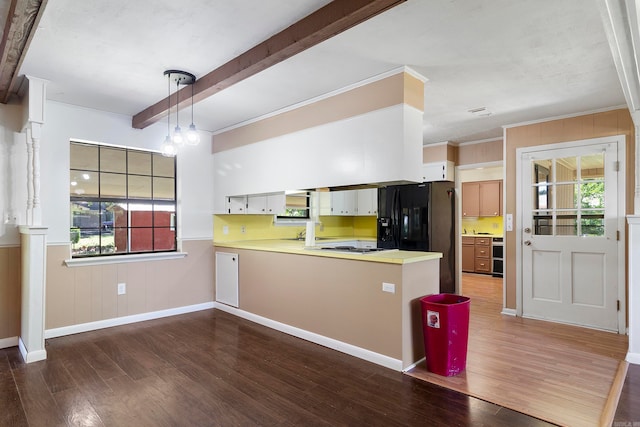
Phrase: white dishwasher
x=227 y=278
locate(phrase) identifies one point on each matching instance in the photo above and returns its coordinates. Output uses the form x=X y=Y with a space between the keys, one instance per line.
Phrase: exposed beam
x=324 y=23
x=19 y=28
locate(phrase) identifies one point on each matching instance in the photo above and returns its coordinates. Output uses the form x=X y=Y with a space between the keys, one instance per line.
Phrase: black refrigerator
x=420 y=217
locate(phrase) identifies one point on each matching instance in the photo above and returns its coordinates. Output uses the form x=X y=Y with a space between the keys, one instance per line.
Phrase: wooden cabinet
x=468 y=254
x=367 y=200
x=482 y=255
x=476 y=254
x=470 y=199
x=490 y=197
x=482 y=198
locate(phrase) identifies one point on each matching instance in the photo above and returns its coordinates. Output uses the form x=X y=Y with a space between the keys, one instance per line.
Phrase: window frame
x=170 y=246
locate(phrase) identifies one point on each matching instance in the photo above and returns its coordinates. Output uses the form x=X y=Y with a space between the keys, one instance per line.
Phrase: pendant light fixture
x=173 y=142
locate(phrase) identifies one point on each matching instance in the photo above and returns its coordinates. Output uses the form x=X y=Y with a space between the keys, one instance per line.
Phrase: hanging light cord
x=169 y=102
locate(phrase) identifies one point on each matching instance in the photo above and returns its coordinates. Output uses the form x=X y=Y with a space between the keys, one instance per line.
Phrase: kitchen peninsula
x=363 y=304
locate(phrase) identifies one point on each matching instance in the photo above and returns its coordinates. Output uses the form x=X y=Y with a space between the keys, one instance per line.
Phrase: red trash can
x=445 y=324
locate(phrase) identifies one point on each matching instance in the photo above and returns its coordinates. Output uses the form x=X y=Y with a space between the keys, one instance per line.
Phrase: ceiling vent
x=480 y=111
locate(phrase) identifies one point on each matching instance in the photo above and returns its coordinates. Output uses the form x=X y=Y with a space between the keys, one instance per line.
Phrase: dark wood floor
x=212 y=368
x=628 y=411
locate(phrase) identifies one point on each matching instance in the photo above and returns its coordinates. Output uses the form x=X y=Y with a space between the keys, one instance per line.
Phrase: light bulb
x=193 y=137
x=168 y=147
x=178 y=139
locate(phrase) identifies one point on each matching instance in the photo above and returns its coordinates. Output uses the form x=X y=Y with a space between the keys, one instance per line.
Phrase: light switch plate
x=389 y=287
x=122 y=288
x=509 y=222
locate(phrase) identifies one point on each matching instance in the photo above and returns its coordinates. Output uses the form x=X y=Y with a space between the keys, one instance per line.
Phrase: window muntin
x=122 y=201
x=568 y=196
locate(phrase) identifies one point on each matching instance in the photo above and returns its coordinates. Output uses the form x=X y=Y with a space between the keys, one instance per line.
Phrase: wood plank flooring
x=559 y=373
x=210 y=368
x=628 y=410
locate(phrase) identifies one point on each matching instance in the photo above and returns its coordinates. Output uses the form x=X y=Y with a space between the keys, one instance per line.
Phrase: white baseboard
x=31 y=356
x=509 y=311
x=633 y=358
x=377 y=358
x=413 y=365
x=8 y=342
x=117 y=321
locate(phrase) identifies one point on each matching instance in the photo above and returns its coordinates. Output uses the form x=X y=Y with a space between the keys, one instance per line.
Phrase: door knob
x=527 y=242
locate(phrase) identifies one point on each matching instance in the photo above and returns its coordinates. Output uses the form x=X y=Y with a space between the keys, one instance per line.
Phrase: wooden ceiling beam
x=22 y=21
x=324 y=23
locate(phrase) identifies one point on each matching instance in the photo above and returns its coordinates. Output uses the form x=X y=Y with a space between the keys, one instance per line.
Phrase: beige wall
x=340 y=299
x=484 y=152
x=401 y=88
x=77 y=295
x=439 y=153
x=616 y=122
x=10 y=292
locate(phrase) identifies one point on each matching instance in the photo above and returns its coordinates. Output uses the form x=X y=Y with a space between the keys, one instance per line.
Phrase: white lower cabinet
x=227 y=278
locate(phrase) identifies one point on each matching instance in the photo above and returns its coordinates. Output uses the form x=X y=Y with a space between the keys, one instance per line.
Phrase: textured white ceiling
x=523 y=60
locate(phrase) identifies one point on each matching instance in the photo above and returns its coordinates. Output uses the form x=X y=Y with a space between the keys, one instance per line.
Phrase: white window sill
x=120 y=259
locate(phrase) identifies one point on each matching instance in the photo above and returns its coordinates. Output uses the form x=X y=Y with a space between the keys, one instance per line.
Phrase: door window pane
x=567 y=223
x=592 y=167
x=566 y=196
x=566 y=169
x=592 y=194
x=592 y=223
x=543 y=223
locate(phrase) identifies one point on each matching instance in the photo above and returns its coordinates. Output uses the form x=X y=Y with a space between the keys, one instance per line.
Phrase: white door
x=227 y=278
x=570 y=235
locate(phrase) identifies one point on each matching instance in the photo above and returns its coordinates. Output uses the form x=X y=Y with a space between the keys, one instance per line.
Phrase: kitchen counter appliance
x=420 y=217
x=497 y=250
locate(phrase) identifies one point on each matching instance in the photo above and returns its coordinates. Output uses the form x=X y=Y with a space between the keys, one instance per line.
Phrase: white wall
x=13 y=175
x=64 y=122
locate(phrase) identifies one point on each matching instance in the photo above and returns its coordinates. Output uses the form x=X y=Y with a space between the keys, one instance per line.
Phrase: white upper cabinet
x=438 y=171
x=340 y=203
x=368 y=202
x=380 y=146
x=266 y=204
x=237 y=205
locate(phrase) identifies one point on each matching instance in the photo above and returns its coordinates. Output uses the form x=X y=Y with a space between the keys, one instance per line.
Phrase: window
x=296 y=205
x=122 y=201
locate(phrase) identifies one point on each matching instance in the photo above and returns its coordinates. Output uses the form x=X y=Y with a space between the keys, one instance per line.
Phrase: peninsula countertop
x=292 y=246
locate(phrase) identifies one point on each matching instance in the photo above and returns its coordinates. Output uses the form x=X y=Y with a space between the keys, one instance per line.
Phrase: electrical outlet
x=389 y=287
x=225 y=229
x=243 y=229
x=122 y=288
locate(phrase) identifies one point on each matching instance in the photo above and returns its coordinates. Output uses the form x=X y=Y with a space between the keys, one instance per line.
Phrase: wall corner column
x=34 y=256
x=633 y=353
x=33 y=236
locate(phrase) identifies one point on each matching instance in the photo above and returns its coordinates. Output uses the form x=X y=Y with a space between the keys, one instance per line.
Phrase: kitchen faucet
x=301 y=234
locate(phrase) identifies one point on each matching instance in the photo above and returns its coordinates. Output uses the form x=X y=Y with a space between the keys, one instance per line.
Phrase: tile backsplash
x=227 y=228
x=492 y=224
